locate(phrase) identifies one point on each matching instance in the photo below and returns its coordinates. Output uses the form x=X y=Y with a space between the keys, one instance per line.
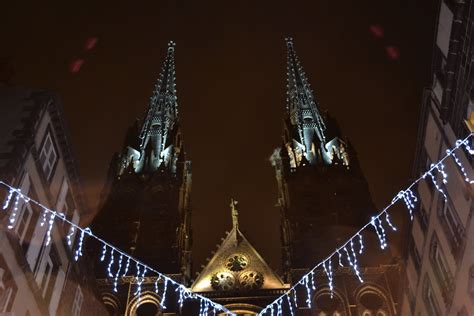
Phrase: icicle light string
x=377 y=221
x=185 y=294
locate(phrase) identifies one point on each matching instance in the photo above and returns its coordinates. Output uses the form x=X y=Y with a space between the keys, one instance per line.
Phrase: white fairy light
x=379 y=234
x=290 y=306
x=382 y=232
x=308 y=290
x=409 y=198
x=387 y=219
x=111 y=262
x=435 y=183
x=9 y=197
x=163 y=298
x=361 y=243
x=69 y=235
x=461 y=167
x=117 y=273
x=50 y=228
x=185 y=294
x=295 y=299
x=78 y=252
x=339 y=258
x=126 y=267
x=313 y=283
x=104 y=250
x=156 y=283
x=137 y=279
x=279 y=310
x=14 y=212
x=328 y=271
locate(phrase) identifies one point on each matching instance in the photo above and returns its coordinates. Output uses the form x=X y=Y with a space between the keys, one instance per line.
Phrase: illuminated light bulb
x=409 y=198
x=43 y=219
x=295 y=299
x=137 y=276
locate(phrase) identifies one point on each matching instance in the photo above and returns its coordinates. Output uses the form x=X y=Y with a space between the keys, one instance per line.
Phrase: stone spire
x=302 y=108
x=162 y=114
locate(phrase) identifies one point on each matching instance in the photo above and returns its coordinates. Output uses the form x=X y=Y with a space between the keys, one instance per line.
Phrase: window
x=451 y=225
x=415 y=255
x=429 y=298
x=441 y=269
x=8 y=288
x=48 y=155
x=50 y=273
x=24 y=220
x=77 y=304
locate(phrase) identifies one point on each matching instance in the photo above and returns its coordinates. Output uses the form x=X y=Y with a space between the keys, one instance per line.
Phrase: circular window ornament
x=251 y=280
x=237 y=262
x=223 y=281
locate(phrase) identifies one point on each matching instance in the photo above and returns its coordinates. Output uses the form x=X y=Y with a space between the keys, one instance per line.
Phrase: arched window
x=325 y=305
x=147 y=304
x=371 y=301
x=111 y=303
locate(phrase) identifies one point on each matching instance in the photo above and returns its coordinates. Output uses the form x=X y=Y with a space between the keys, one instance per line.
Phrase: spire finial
x=234 y=212
x=171 y=46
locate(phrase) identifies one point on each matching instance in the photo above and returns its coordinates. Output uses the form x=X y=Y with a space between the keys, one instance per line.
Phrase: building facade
x=35 y=156
x=440 y=256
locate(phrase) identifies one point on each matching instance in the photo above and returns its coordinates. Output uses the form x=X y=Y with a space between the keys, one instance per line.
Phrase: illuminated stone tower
x=323 y=199
x=145 y=208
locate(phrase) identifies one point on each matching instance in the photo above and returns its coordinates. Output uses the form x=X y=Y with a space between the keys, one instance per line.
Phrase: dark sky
x=230 y=63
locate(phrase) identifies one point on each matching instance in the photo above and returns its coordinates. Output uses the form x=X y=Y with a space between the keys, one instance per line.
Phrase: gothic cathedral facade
x=323 y=198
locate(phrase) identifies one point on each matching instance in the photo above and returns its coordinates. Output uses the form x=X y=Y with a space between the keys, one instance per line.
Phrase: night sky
x=230 y=64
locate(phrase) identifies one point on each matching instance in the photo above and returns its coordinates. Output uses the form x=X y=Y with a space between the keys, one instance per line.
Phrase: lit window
x=77 y=304
x=48 y=155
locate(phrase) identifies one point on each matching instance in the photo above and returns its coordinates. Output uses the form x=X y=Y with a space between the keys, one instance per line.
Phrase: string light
x=407 y=196
x=111 y=262
x=156 y=283
x=387 y=219
x=117 y=273
x=9 y=197
x=69 y=235
x=104 y=250
x=290 y=306
x=163 y=298
x=15 y=211
x=361 y=243
x=328 y=271
x=185 y=295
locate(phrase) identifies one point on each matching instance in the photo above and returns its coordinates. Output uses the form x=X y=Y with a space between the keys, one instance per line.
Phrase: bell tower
x=322 y=194
x=145 y=208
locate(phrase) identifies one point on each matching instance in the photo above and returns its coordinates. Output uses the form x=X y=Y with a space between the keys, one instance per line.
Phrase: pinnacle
x=171 y=46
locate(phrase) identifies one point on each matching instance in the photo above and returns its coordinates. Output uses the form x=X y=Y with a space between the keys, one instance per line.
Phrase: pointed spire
x=162 y=111
x=301 y=106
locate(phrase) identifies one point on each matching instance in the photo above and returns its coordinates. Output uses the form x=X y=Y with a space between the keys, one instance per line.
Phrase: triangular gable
x=236 y=265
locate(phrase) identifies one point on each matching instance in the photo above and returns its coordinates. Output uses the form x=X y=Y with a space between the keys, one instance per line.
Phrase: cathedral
x=323 y=198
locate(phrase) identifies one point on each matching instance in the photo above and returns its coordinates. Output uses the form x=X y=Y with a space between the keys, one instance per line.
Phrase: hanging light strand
x=407 y=196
